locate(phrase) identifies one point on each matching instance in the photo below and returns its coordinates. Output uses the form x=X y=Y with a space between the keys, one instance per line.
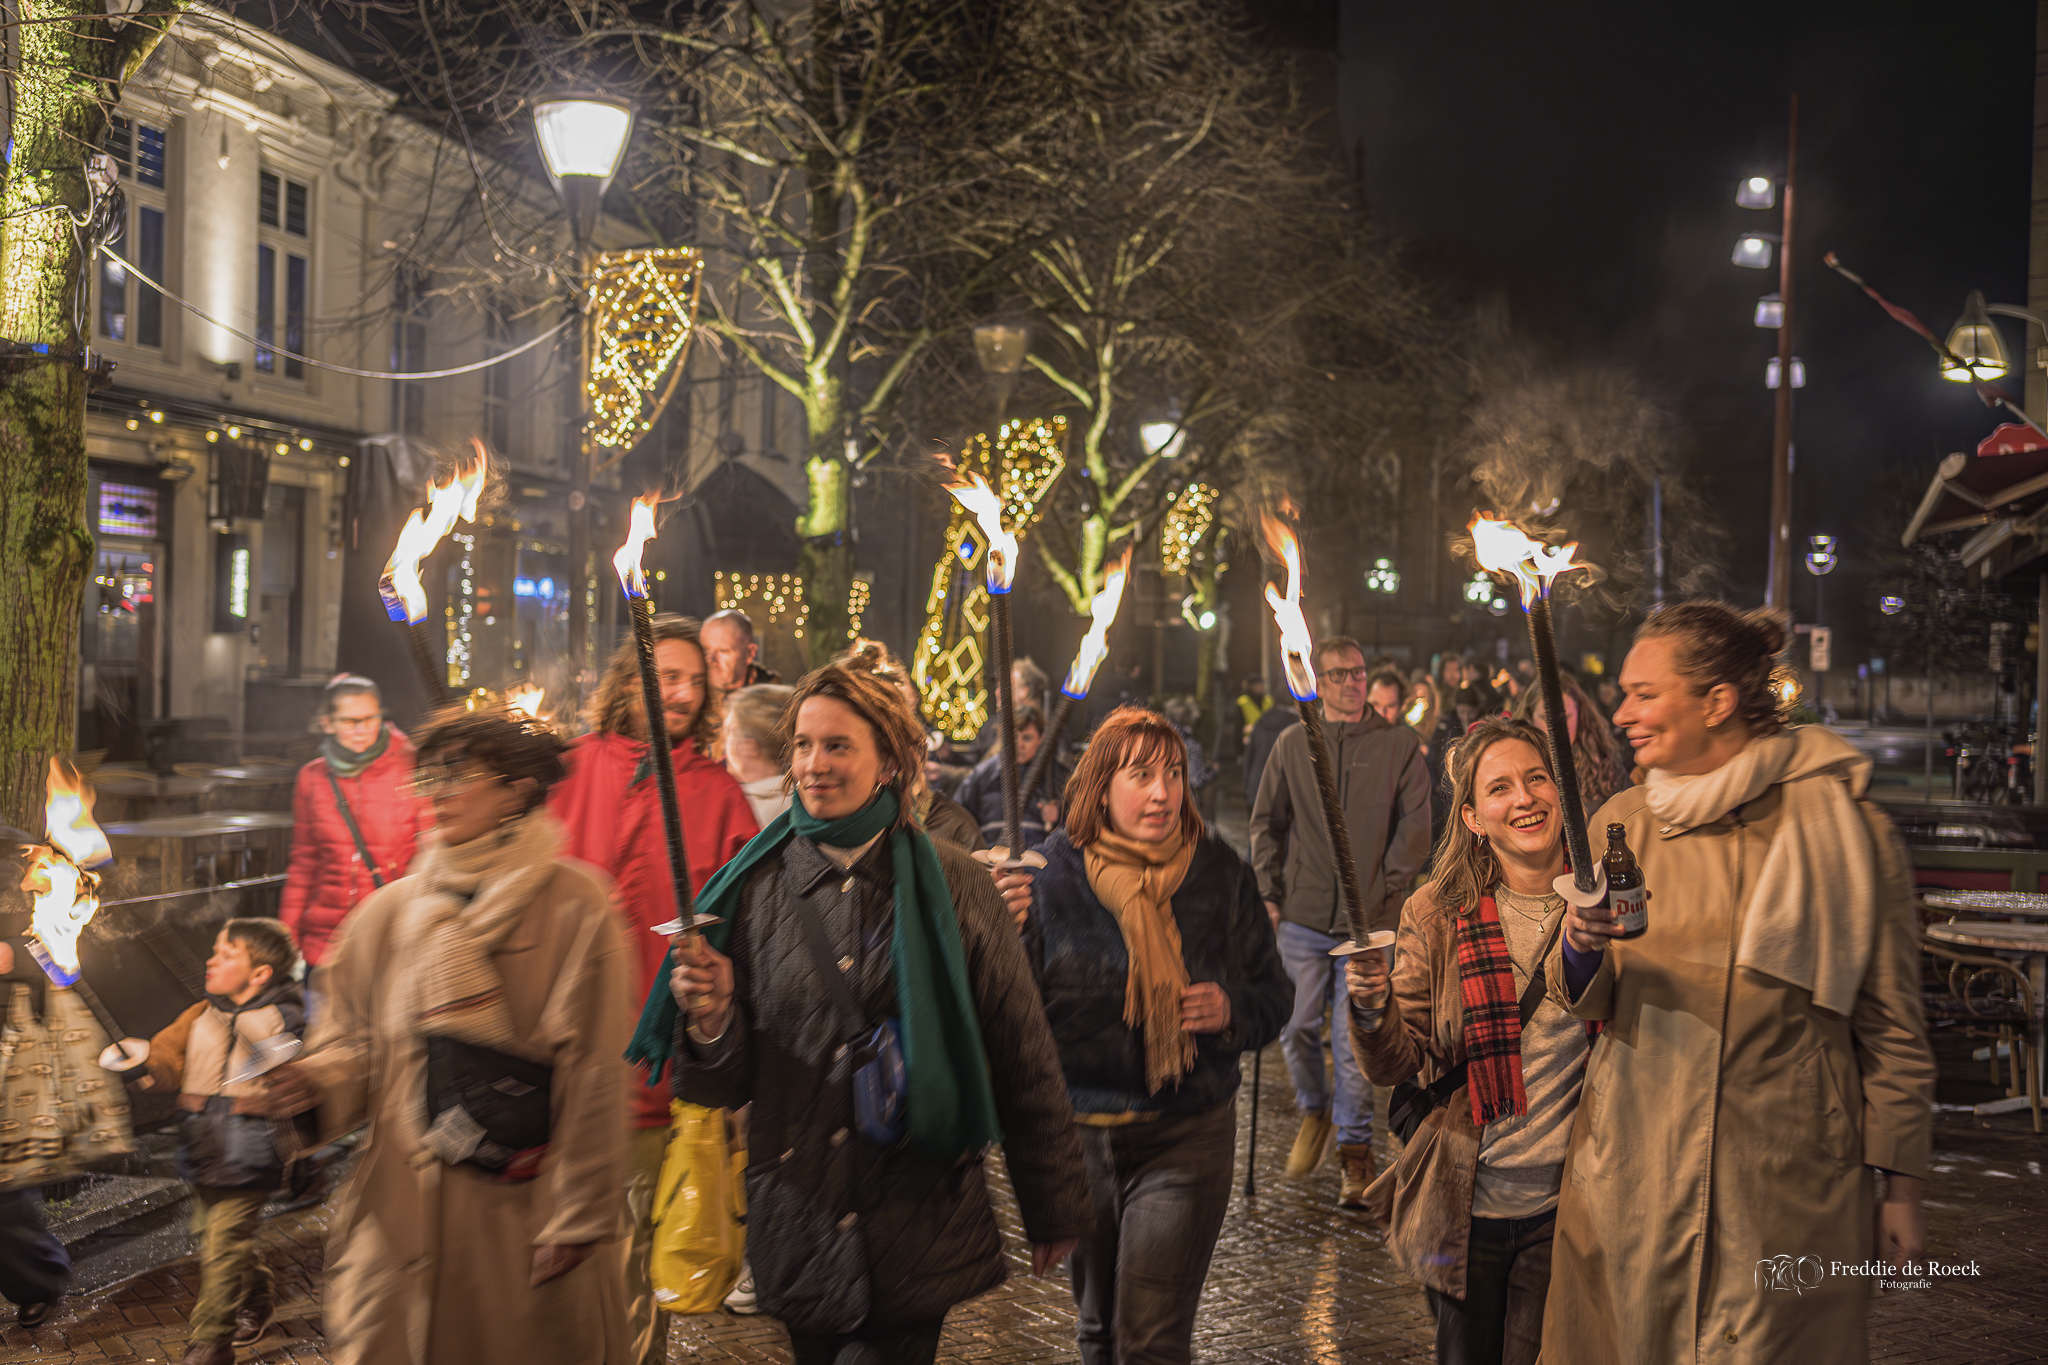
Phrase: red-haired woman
x=1158 y=969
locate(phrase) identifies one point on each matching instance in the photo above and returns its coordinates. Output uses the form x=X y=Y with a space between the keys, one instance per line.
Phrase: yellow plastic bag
x=698 y=1239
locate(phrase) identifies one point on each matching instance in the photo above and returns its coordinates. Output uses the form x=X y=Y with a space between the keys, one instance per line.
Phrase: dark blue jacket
x=1077 y=953
x=981 y=794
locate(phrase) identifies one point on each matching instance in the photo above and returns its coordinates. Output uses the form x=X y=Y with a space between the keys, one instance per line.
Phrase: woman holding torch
x=1470 y=1204
x=1756 y=1112
x=1158 y=969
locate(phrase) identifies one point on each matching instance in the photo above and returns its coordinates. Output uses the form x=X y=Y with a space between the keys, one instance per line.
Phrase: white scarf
x=471 y=897
x=1812 y=918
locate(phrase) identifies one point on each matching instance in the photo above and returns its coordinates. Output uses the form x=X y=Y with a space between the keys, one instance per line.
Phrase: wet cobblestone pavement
x=1295 y=1279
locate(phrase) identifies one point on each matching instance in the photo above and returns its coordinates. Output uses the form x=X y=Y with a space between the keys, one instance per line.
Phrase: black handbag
x=1410 y=1104
x=509 y=1098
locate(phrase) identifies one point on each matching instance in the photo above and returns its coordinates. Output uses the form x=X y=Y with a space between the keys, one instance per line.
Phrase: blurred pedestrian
x=753 y=748
x=355 y=823
x=609 y=808
x=494 y=978
x=1469 y=1204
x=1430 y=719
x=1595 y=758
x=875 y=1218
x=981 y=795
x=1385 y=692
x=1252 y=703
x=1158 y=972
x=1761 y=1093
x=1258 y=745
x=1183 y=712
x=1383 y=786
x=732 y=656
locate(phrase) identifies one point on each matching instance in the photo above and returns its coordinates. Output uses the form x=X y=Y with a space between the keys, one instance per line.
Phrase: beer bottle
x=1626 y=896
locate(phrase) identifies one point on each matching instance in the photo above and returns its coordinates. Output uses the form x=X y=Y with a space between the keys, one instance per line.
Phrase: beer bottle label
x=1631 y=909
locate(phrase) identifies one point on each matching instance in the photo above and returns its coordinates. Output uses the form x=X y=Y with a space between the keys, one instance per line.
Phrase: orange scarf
x=1135 y=882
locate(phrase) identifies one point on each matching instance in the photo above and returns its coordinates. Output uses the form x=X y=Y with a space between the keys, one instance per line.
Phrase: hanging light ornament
x=643 y=312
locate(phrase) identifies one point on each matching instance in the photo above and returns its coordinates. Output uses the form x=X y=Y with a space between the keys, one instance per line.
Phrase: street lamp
x=1753 y=250
x=582 y=140
x=1822 y=559
x=1771 y=373
x=1770 y=312
x=1975 y=342
x=1163 y=439
x=1757 y=192
x=1000 y=348
x=1383 y=580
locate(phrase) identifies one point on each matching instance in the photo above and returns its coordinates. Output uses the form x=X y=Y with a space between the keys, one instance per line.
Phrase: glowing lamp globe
x=1757 y=192
x=1976 y=343
x=582 y=135
x=1798 y=373
x=1752 y=252
x=1770 y=311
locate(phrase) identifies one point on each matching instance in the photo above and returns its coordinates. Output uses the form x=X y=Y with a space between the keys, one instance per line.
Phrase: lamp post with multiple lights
x=1753 y=251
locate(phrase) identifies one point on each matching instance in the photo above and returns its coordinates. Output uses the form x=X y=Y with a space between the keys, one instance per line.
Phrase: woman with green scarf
x=861 y=1239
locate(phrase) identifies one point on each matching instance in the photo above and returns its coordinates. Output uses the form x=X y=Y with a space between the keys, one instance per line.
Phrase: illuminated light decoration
x=1787 y=689
x=62 y=878
x=767 y=599
x=1891 y=606
x=1095 y=644
x=1383 y=577
x=1479 y=591
x=1188 y=519
x=462 y=616
x=212 y=437
x=405 y=597
x=643 y=313
x=238 y=584
x=948 y=663
x=857 y=596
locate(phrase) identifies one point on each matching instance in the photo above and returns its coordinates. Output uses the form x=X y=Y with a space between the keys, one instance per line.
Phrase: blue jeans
x=1319 y=991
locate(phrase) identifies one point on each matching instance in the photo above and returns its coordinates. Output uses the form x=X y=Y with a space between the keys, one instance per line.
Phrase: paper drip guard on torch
x=1501 y=547
x=1298 y=652
x=973 y=493
x=1081 y=674
x=688 y=924
x=404 y=595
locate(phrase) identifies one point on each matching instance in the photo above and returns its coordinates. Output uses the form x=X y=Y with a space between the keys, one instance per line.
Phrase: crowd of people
x=1593 y=1141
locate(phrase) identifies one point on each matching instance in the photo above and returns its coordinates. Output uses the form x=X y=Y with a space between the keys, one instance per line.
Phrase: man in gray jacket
x=1383 y=785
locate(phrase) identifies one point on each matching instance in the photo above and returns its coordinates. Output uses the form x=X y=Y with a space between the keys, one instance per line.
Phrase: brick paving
x=1294 y=1280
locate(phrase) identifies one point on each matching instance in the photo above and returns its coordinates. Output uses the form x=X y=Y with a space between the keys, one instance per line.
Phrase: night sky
x=1581 y=161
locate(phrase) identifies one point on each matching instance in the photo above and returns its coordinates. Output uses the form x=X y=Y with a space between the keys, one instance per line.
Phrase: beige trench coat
x=1726 y=1120
x=429 y=1264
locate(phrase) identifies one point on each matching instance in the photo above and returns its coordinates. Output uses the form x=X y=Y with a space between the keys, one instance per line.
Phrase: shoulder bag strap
x=349 y=818
x=852 y=1018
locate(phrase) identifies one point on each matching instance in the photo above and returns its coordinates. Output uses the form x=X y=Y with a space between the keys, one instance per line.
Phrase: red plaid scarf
x=1493 y=1018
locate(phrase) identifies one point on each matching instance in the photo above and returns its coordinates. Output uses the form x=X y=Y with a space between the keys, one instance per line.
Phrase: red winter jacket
x=327 y=877
x=615 y=824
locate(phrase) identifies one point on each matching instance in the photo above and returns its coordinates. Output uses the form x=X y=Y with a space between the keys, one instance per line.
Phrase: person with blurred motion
x=610 y=811
x=1183 y=713
x=732 y=656
x=1028 y=687
x=355 y=824
x=1386 y=693
x=1469 y=1204
x=1761 y=1093
x=1427 y=717
x=981 y=795
x=1383 y=787
x=937 y=814
x=849 y=938
x=1158 y=971
x=1259 y=741
x=498 y=968
x=753 y=748
x=1595 y=757
x=1252 y=703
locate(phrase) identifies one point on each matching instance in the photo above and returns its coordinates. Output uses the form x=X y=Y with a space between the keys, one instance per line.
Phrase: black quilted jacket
x=1078 y=954
x=927 y=1237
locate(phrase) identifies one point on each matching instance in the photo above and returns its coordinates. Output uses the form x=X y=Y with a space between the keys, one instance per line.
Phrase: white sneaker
x=742 y=1300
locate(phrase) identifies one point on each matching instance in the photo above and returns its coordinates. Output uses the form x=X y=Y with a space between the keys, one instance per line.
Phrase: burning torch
x=526 y=699
x=1298 y=651
x=1501 y=547
x=405 y=597
x=1081 y=673
x=64 y=882
x=634 y=580
x=973 y=493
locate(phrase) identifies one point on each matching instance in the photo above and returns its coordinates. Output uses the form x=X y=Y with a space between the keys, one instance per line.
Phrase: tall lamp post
x=582 y=139
x=1820 y=562
x=1754 y=252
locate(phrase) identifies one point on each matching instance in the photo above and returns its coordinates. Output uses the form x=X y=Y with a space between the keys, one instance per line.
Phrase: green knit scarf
x=952 y=1101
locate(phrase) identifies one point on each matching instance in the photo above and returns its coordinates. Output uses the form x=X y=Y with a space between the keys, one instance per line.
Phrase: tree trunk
x=66 y=68
x=826 y=525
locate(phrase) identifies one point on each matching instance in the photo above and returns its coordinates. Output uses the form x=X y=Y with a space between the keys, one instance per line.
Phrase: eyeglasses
x=1342 y=675
x=447 y=779
x=353 y=722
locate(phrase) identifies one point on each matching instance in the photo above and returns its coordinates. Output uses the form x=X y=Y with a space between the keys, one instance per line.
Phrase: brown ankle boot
x=1311 y=1144
x=1358 y=1173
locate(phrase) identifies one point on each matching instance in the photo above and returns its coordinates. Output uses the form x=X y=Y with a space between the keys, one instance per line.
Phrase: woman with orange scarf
x=1158 y=969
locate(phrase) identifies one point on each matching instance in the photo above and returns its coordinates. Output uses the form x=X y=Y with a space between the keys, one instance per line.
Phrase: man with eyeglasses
x=1383 y=786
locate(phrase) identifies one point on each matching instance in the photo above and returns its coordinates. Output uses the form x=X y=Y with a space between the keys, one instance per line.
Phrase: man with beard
x=610 y=809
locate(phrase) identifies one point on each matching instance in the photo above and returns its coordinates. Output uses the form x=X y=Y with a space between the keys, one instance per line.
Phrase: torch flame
x=1296 y=645
x=1417 y=709
x=405 y=597
x=60 y=876
x=632 y=577
x=526 y=699
x=1502 y=547
x=974 y=494
x=1095 y=644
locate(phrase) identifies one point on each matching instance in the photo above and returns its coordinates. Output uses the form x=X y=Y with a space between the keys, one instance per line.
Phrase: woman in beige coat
x=449 y=1245
x=1753 y=1134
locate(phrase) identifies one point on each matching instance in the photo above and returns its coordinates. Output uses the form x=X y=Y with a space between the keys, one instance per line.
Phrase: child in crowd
x=227 y=1150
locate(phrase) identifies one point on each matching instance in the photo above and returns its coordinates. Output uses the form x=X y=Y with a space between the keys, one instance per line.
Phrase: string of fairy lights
x=644 y=310
x=780 y=598
x=857 y=598
x=949 y=661
x=1188 y=519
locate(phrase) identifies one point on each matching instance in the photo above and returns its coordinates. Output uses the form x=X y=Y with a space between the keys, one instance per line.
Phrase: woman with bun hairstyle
x=1756 y=1108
